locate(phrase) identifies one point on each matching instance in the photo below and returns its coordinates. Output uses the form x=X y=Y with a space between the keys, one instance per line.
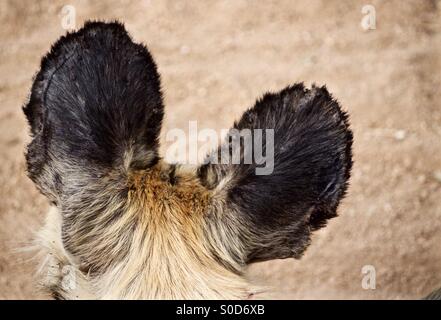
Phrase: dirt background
x=215 y=58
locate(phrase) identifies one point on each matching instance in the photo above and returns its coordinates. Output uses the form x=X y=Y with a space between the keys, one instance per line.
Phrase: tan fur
x=170 y=250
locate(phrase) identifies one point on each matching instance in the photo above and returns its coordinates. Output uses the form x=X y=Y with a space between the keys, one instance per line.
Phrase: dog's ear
x=95 y=107
x=293 y=184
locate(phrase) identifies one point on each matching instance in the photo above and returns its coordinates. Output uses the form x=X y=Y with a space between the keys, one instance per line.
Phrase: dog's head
x=95 y=114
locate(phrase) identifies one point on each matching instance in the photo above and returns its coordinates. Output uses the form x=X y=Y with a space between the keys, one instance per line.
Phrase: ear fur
x=312 y=163
x=95 y=107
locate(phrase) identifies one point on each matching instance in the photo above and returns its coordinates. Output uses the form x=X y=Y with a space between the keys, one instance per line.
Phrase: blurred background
x=216 y=58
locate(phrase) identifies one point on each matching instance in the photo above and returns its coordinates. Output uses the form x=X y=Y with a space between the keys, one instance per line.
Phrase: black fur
x=312 y=163
x=96 y=96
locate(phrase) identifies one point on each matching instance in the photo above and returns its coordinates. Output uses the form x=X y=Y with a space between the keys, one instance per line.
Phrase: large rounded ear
x=293 y=171
x=95 y=107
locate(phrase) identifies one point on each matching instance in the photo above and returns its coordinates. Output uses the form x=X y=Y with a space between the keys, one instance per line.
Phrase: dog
x=124 y=224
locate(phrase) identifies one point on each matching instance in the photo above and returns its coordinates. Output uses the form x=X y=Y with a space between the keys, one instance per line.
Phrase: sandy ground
x=215 y=58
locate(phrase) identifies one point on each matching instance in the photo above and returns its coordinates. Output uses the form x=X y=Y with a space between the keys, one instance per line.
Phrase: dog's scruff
x=134 y=227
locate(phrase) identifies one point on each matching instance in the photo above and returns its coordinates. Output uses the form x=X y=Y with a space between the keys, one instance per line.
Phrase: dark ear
x=278 y=208
x=95 y=107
